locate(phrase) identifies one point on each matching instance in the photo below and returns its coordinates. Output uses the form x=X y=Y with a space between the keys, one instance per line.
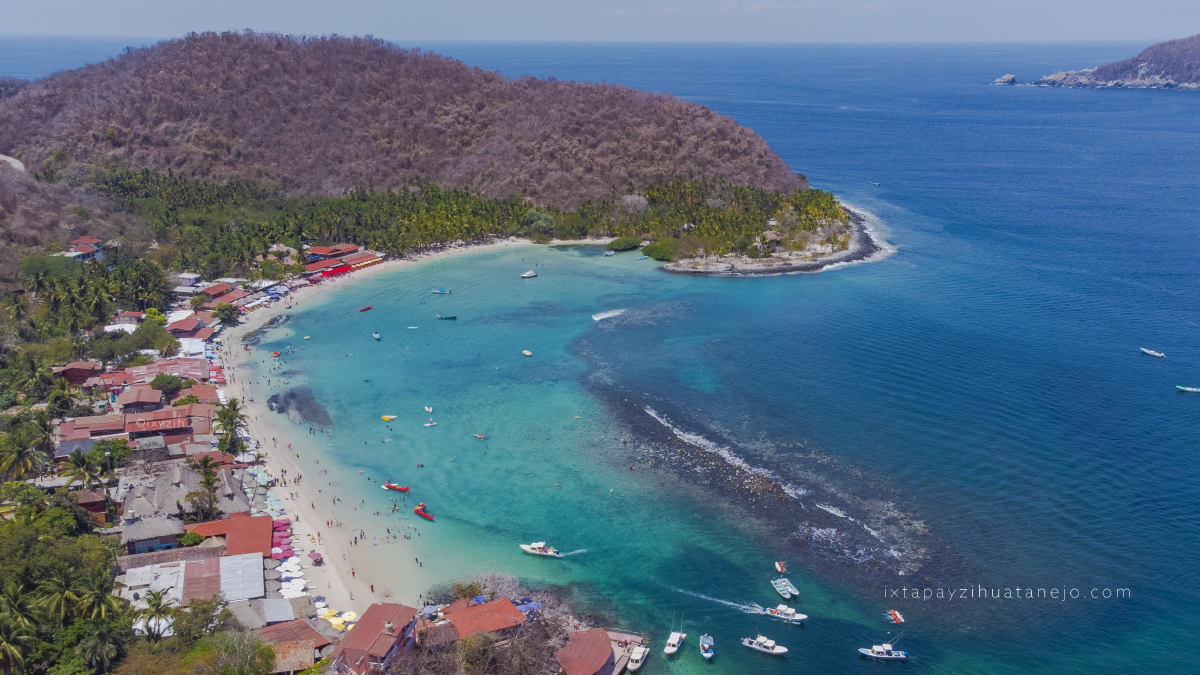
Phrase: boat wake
x=582 y=550
x=747 y=607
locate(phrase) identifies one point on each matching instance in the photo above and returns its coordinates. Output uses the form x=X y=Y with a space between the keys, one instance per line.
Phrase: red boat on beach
x=363 y=309
x=393 y=486
x=419 y=509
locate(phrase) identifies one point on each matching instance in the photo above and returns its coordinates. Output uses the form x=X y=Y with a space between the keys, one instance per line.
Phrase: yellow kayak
x=387 y=418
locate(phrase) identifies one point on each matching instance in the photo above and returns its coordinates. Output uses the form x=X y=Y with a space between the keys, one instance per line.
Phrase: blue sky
x=620 y=20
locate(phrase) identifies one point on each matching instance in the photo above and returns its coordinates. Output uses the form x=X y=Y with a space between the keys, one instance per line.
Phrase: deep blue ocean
x=977 y=399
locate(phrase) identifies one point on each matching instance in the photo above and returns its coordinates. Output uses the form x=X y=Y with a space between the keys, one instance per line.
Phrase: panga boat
x=674 y=642
x=706 y=646
x=440 y=291
x=479 y=436
x=363 y=309
x=785 y=613
x=529 y=275
x=1151 y=352
x=431 y=423
x=447 y=318
x=610 y=253
x=540 y=548
x=1194 y=390
x=375 y=335
x=526 y=352
x=419 y=509
x=894 y=616
x=641 y=257
x=781 y=567
x=884 y=652
x=387 y=418
x=763 y=644
x=393 y=486
x=307 y=337
x=637 y=656
x=274 y=353
x=785 y=588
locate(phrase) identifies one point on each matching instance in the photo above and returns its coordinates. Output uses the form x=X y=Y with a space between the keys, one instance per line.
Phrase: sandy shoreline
x=347 y=576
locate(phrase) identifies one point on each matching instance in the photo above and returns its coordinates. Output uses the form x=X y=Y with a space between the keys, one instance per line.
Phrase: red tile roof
x=243 y=533
x=367 y=636
x=293 y=656
x=289 y=631
x=83 y=248
x=232 y=296
x=184 y=325
x=322 y=264
x=99 y=424
x=87 y=240
x=357 y=258
x=321 y=250
x=213 y=291
x=201 y=580
x=195 y=369
x=141 y=393
x=207 y=393
x=204 y=333
x=588 y=653
x=486 y=618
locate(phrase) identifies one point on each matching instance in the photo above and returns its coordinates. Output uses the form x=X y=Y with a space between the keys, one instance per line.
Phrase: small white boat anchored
x=1151 y=352
x=884 y=652
x=529 y=275
x=375 y=335
x=607 y=253
x=785 y=588
x=674 y=642
x=540 y=548
x=637 y=656
x=706 y=646
x=785 y=614
x=765 y=645
x=1191 y=390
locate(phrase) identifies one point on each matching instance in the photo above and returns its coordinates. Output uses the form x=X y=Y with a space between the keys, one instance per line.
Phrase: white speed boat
x=765 y=645
x=637 y=656
x=540 y=548
x=785 y=614
x=529 y=275
x=706 y=646
x=674 y=642
x=1151 y=352
x=785 y=588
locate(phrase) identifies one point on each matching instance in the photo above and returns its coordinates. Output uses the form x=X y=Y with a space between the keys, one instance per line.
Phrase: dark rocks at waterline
x=255 y=336
x=301 y=405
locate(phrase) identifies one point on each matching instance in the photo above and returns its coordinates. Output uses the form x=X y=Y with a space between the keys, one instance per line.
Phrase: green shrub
x=663 y=249
x=190 y=539
x=624 y=244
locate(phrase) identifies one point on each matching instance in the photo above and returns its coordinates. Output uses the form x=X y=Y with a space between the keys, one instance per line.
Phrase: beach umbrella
x=314 y=555
x=283 y=521
x=349 y=616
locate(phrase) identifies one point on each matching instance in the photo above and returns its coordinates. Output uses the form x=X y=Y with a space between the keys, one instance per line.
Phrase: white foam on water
x=747 y=607
x=708 y=446
x=835 y=511
x=607 y=315
x=582 y=550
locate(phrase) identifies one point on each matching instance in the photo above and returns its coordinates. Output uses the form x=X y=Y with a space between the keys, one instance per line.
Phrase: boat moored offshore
x=706 y=646
x=884 y=652
x=762 y=643
x=785 y=588
x=1151 y=352
x=529 y=275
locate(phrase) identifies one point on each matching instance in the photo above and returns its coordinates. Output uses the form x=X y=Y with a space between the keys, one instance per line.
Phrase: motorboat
x=706 y=646
x=1193 y=390
x=762 y=643
x=883 y=652
x=393 y=486
x=785 y=588
x=781 y=567
x=608 y=253
x=1151 y=352
x=375 y=335
x=540 y=548
x=637 y=656
x=274 y=353
x=785 y=614
x=526 y=352
x=641 y=257
x=387 y=418
x=674 y=642
x=431 y=423
x=446 y=318
x=363 y=309
x=419 y=509
x=480 y=436
x=440 y=291
x=529 y=275
x=895 y=616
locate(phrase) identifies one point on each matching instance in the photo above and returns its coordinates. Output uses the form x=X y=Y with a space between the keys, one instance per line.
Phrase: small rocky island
x=1166 y=65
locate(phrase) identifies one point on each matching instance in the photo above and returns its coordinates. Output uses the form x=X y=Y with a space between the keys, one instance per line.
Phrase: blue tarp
x=528 y=607
x=479 y=599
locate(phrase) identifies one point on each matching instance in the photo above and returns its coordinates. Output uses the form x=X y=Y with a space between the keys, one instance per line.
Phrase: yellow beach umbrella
x=349 y=616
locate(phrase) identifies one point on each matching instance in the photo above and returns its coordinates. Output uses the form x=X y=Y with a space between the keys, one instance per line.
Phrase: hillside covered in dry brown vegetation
x=322 y=115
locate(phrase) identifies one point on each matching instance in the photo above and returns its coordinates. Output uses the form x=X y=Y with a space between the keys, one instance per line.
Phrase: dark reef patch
x=301 y=405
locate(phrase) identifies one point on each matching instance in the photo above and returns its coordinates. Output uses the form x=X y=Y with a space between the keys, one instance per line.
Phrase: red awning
x=337 y=270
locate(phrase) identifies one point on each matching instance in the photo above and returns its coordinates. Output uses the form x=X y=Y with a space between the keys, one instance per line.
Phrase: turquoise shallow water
x=977 y=398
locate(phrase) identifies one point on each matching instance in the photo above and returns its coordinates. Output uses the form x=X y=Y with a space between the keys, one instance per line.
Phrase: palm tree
x=16 y=306
x=17 y=605
x=58 y=594
x=96 y=600
x=36 y=284
x=230 y=416
x=157 y=612
x=80 y=467
x=18 y=457
x=13 y=638
x=102 y=646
